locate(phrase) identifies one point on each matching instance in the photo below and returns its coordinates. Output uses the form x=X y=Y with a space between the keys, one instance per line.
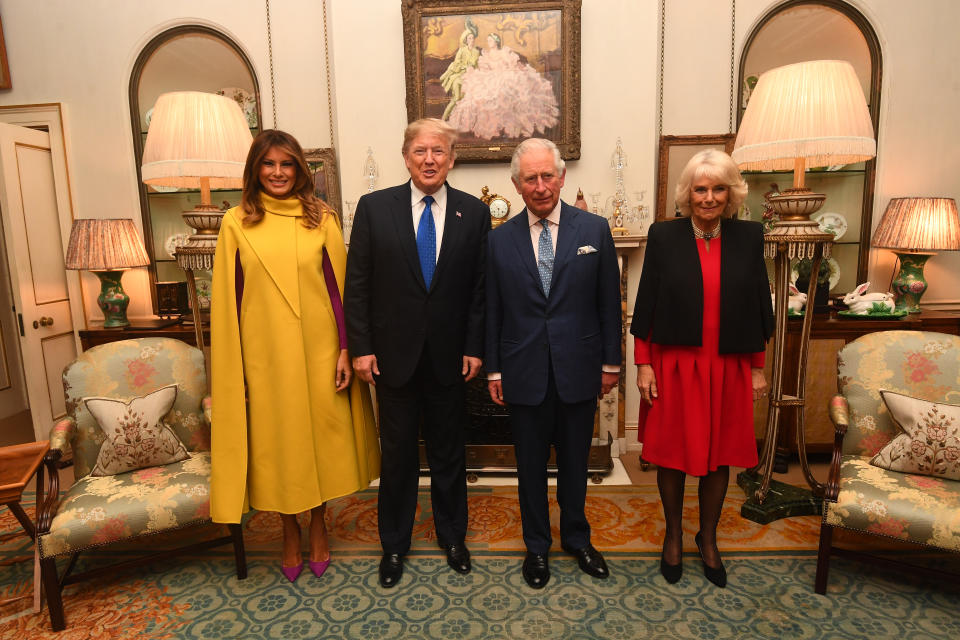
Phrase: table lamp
x=107 y=247
x=800 y=116
x=915 y=229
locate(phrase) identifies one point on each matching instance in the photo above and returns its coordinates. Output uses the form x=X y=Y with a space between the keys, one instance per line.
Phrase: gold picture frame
x=322 y=163
x=674 y=154
x=518 y=77
x=5 y=82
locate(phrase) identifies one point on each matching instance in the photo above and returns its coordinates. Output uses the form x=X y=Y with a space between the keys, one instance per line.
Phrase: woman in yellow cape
x=291 y=427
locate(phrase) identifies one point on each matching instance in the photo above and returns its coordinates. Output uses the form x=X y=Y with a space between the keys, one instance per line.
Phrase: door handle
x=44 y=322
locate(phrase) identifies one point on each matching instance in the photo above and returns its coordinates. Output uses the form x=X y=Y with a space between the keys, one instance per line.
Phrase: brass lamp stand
x=795 y=236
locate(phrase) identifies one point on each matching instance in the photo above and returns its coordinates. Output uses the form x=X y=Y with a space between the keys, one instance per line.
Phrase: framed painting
x=675 y=152
x=499 y=71
x=5 y=82
x=322 y=164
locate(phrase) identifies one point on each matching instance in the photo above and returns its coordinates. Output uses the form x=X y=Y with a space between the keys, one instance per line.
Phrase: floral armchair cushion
x=136 y=436
x=910 y=507
x=100 y=510
x=920 y=364
x=930 y=442
x=129 y=368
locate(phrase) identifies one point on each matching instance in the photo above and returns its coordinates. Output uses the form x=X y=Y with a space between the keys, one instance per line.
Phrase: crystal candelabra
x=348 y=219
x=370 y=171
x=620 y=211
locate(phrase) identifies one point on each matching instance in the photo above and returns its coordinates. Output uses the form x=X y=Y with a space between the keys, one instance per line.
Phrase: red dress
x=703 y=417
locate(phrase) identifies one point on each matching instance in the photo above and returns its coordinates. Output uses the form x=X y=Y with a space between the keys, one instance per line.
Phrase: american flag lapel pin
x=459 y=215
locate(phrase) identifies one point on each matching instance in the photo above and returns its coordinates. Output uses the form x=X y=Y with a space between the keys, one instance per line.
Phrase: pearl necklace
x=706 y=236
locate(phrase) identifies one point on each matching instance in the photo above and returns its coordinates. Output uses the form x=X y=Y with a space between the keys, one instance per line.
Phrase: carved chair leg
x=823 y=558
x=51 y=584
x=240 y=555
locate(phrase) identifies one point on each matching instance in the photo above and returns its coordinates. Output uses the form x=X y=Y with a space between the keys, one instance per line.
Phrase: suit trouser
x=443 y=414
x=569 y=428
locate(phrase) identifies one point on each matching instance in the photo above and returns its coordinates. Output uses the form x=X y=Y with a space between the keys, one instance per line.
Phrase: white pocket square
x=585 y=249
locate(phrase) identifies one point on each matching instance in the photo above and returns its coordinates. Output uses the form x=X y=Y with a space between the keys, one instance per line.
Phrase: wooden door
x=30 y=210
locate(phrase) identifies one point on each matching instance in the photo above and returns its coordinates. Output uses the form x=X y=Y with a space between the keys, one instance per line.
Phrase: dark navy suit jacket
x=577 y=328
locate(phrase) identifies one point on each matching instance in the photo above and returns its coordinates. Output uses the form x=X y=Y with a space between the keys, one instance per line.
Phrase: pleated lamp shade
x=919 y=225
x=814 y=111
x=105 y=245
x=195 y=135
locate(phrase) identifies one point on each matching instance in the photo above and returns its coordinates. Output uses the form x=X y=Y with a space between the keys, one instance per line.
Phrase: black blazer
x=389 y=311
x=670 y=295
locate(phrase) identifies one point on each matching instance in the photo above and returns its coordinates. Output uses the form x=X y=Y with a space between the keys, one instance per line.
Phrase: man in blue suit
x=553 y=347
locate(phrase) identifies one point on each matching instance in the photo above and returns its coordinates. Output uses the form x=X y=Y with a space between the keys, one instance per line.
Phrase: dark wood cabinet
x=95 y=334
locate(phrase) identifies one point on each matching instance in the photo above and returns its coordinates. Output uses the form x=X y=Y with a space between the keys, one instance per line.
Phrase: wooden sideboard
x=827 y=336
x=95 y=334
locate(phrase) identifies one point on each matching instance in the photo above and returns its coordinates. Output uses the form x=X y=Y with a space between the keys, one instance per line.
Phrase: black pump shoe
x=717 y=576
x=671 y=572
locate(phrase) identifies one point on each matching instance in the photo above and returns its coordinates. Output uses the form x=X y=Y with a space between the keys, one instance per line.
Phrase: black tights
x=711 y=492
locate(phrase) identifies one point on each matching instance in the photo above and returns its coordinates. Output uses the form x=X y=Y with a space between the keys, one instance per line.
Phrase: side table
x=19 y=463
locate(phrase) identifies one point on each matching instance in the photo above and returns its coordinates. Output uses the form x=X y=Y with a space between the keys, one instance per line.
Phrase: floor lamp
x=800 y=116
x=196 y=141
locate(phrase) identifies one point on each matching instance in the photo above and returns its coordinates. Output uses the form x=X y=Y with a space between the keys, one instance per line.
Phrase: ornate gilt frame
x=430 y=13
x=325 y=159
x=671 y=162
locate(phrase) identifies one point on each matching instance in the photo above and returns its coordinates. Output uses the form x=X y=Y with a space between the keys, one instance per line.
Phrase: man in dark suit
x=413 y=299
x=553 y=347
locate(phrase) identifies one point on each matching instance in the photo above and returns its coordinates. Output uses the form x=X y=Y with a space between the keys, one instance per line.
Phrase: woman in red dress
x=702 y=319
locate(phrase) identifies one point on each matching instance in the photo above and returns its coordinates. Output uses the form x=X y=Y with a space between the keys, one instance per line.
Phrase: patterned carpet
x=770 y=594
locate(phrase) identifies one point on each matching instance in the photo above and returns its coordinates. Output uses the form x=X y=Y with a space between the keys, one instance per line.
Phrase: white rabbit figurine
x=795 y=303
x=862 y=303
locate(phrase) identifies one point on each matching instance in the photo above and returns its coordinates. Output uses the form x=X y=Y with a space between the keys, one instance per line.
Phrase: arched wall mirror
x=185 y=58
x=798 y=31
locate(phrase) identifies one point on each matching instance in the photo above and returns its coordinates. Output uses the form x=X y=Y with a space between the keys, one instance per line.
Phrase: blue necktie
x=427 y=241
x=545 y=257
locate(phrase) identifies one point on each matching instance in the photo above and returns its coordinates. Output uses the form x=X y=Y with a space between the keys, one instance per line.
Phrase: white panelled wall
x=81 y=55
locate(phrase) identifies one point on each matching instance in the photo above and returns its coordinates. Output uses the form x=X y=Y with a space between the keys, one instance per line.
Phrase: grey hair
x=428 y=125
x=716 y=165
x=529 y=145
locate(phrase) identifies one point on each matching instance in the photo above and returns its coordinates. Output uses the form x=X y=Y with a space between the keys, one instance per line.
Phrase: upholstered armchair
x=861 y=496
x=105 y=504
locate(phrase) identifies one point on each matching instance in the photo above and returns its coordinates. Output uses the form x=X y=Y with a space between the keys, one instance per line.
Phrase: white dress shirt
x=439 y=210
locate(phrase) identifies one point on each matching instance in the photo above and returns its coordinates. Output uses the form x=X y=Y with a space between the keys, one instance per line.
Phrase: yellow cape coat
x=296 y=442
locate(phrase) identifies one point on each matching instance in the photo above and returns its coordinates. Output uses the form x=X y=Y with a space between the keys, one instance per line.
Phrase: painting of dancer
x=496 y=76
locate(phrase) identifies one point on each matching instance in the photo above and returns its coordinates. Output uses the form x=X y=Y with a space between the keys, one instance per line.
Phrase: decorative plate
x=873 y=316
x=204 y=287
x=248 y=103
x=831 y=223
x=832 y=265
x=173 y=241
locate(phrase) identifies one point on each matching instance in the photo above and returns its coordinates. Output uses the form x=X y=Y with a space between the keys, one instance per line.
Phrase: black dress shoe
x=458 y=557
x=391 y=568
x=671 y=572
x=536 y=570
x=717 y=576
x=590 y=561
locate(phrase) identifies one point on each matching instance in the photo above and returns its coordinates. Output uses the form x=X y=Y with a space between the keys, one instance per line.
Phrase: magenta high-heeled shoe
x=319 y=567
x=292 y=573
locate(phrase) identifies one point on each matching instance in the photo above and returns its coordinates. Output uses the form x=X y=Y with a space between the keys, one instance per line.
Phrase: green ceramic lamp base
x=112 y=300
x=910 y=284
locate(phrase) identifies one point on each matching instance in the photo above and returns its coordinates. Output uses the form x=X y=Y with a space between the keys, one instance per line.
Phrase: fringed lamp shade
x=105 y=245
x=916 y=228
x=814 y=111
x=919 y=225
x=195 y=136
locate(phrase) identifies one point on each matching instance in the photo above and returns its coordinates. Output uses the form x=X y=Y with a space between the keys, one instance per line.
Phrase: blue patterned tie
x=427 y=241
x=545 y=257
